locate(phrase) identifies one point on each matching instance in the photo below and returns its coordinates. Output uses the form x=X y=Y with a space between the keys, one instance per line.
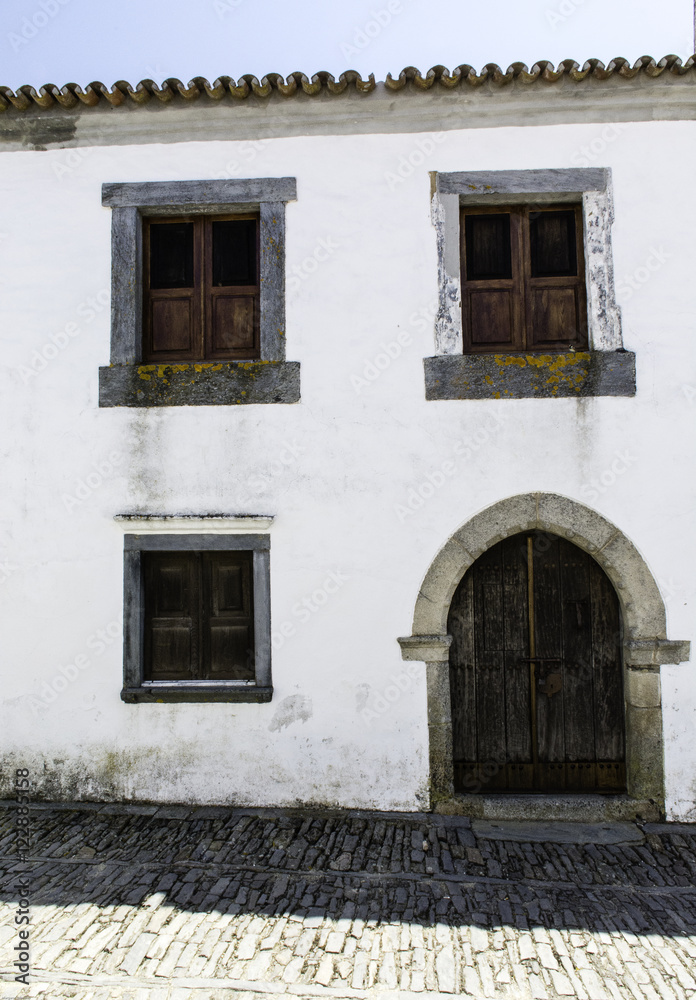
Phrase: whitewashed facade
x=360 y=484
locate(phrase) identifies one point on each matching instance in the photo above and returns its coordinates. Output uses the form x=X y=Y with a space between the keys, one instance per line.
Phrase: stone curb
x=224 y=812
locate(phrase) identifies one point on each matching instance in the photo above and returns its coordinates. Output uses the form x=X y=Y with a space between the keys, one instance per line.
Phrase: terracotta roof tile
x=71 y=95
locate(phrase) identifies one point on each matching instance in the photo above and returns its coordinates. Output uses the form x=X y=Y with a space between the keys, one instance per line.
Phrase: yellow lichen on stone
x=555 y=363
x=558 y=361
x=564 y=360
x=509 y=359
x=252 y=367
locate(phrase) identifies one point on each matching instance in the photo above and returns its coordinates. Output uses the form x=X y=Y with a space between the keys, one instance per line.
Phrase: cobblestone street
x=175 y=903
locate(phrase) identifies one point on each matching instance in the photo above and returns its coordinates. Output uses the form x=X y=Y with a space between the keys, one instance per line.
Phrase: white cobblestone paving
x=187 y=904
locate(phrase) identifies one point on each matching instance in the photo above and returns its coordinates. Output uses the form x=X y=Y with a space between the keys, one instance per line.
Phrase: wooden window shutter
x=173 y=305
x=556 y=303
x=491 y=280
x=202 y=289
x=523 y=279
x=228 y=616
x=172 y=594
x=232 y=288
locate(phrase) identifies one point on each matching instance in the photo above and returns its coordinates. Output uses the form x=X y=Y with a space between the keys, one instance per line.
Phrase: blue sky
x=60 y=41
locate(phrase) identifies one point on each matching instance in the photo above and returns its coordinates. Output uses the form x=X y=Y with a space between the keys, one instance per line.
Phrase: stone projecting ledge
x=204 y=384
x=530 y=376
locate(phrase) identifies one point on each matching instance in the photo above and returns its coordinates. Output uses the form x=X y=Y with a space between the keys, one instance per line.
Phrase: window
x=197 y=618
x=201 y=289
x=526 y=304
x=523 y=279
x=198 y=294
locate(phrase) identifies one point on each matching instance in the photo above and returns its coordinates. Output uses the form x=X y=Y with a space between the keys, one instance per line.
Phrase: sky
x=62 y=41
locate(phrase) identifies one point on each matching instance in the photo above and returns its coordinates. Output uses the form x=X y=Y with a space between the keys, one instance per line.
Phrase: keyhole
x=552 y=685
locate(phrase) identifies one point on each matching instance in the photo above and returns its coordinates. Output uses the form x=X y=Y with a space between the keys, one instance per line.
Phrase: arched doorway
x=536 y=678
x=645 y=642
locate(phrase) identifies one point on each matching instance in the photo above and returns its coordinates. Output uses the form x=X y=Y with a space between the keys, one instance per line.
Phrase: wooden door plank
x=577 y=671
x=460 y=625
x=490 y=659
x=608 y=679
x=549 y=644
x=516 y=645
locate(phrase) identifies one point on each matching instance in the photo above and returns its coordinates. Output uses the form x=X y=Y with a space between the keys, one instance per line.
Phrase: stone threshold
x=552 y=808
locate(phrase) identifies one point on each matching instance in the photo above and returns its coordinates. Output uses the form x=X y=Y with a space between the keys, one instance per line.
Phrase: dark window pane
x=552 y=238
x=488 y=247
x=234 y=252
x=171 y=255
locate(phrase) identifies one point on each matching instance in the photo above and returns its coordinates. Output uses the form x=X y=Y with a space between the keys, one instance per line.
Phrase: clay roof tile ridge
x=71 y=94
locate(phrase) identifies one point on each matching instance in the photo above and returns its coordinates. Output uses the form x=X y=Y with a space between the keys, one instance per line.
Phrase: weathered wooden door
x=535 y=671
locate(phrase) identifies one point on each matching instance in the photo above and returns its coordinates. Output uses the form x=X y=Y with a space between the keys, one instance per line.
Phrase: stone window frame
x=127 y=381
x=605 y=369
x=135 y=688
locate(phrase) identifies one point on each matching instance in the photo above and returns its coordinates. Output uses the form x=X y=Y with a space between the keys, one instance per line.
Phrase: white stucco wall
x=353 y=452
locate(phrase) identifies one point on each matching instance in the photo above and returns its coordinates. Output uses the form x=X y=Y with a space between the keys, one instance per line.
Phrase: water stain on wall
x=296 y=708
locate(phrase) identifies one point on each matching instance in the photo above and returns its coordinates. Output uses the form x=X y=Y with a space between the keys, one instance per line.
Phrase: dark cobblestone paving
x=171 y=904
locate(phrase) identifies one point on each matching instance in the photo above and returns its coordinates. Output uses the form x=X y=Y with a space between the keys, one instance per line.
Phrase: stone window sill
x=530 y=376
x=227 y=383
x=180 y=693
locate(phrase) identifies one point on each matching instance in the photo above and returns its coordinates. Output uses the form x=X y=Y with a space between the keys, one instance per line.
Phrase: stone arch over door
x=645 y=646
